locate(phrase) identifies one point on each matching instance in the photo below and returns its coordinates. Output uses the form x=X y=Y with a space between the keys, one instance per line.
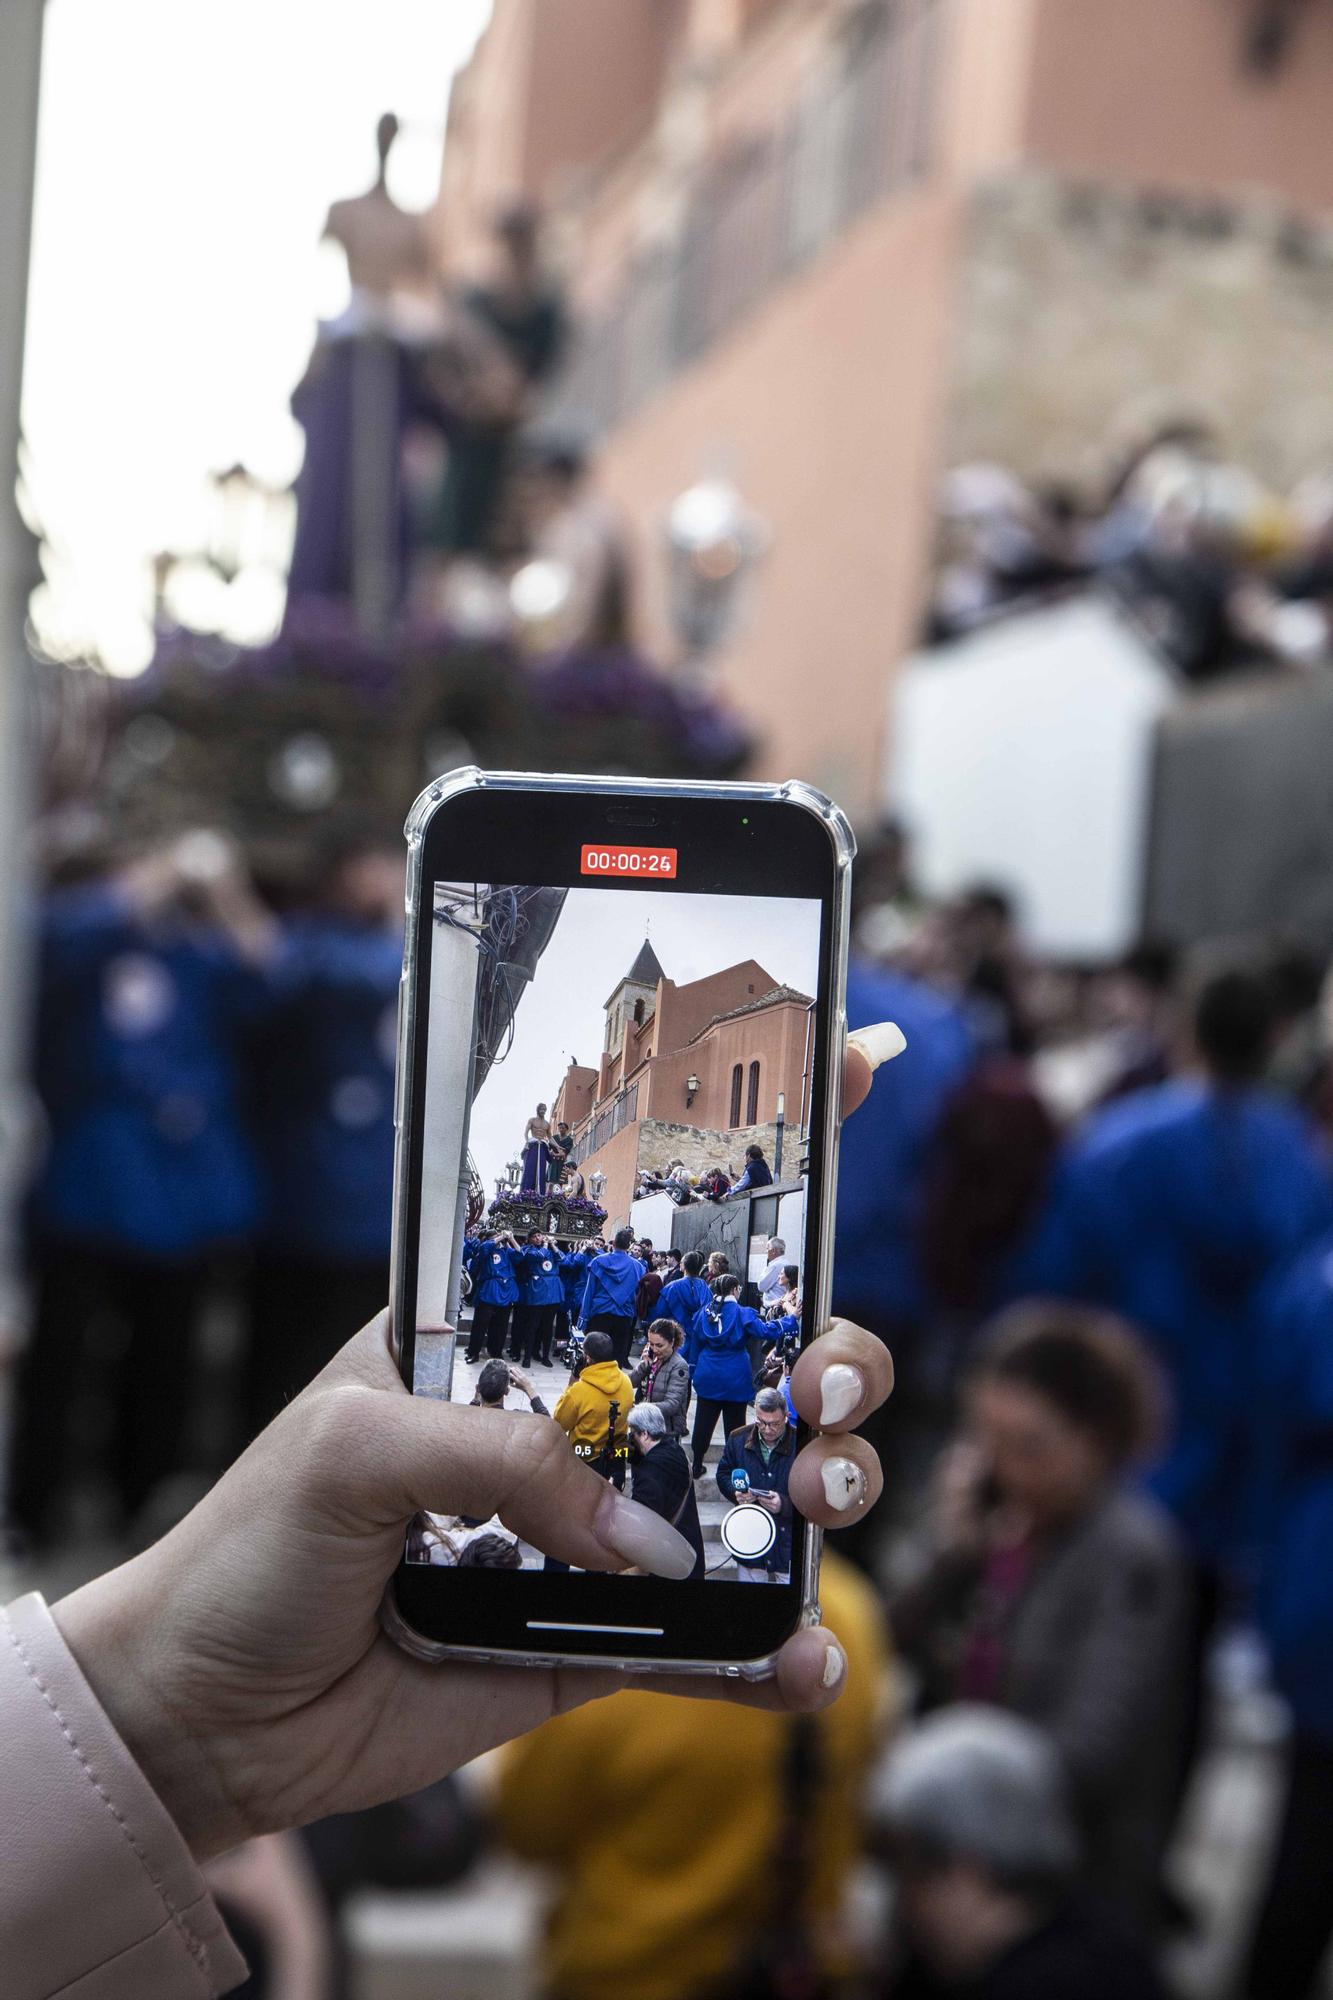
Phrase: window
x=736 y=1076
x=638 y=1013
x=764 y=1223
x=752 y=1096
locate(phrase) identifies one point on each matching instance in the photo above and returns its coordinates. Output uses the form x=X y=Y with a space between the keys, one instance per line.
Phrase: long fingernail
x=835 y=1664
x=841 y=1388
x=639 y=1536
x=844 y=1483
x=879 y=1044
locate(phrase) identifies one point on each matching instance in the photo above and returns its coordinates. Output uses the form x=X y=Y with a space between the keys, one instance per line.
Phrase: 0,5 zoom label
x=657 y=862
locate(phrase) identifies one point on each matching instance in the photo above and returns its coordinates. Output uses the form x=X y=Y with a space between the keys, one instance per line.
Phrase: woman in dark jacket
x=661 y=1477
x=1054 y=1590
x=663 y=1375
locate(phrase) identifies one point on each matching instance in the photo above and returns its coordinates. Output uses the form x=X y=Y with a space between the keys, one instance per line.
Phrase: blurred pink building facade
x=771 y=215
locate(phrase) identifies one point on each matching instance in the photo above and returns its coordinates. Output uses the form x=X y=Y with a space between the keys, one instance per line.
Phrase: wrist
x=114 y=1627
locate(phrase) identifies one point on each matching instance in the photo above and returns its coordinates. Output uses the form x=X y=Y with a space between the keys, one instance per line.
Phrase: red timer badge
x=653 y=864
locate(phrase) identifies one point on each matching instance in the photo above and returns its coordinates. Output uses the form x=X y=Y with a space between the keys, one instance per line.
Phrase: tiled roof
x=775 y=997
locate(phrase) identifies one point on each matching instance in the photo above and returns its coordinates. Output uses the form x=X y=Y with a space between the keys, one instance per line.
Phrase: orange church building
x=694 y=1073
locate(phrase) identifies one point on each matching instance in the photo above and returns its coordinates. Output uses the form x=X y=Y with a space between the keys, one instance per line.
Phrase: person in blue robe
x=494 y=1272
x=718 y=1351
x=1291 y=1421
x=324 y=1109
x=151 y=981
x=541 y=1296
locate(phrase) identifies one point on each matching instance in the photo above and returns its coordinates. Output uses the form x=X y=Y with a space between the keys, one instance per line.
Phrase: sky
x=188 y=151
x=561 y=1016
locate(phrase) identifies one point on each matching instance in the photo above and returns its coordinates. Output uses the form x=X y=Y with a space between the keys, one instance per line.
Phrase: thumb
x=391 y=1456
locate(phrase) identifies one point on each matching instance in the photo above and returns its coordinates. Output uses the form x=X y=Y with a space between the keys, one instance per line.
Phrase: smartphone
x=622 y=1010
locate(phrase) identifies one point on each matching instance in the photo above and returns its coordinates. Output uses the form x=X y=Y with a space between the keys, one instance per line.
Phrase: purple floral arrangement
x=581 y=689
x=531 y=1199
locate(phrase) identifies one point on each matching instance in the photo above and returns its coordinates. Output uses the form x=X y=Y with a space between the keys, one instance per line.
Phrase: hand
x=773 y=1501
x=241 y=1657
x=522 y=1382
x=962 y=1523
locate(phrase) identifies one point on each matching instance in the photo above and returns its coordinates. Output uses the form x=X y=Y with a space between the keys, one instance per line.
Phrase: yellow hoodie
x=582 y=1411
x=660 y=1818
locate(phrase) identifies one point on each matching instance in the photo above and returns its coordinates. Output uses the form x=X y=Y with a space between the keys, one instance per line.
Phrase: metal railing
x=759 y=215
x=607 y=1123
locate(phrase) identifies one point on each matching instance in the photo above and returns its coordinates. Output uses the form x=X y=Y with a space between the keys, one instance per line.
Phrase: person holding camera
x=1054 y=1589
x=754 y=1469
x=663 y=1375
x=495 y=1381
x=784 y=1299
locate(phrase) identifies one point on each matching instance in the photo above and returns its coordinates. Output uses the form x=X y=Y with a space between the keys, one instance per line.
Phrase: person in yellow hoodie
x=583 y=1412
x=698 y=1847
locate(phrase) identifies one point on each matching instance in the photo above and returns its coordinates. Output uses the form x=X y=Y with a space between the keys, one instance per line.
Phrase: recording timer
x=657 y=864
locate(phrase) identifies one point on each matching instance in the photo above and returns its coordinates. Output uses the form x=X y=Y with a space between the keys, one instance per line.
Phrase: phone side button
x=400 y=1076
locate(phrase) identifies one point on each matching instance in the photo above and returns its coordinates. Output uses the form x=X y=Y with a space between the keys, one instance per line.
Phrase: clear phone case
x=818 y=1240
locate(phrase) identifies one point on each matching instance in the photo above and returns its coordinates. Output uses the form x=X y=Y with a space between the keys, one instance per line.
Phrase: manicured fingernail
x=835 y=1664
x=639 y=1536
x=879 y=1044
x=844 y=1483
x=841 y=1388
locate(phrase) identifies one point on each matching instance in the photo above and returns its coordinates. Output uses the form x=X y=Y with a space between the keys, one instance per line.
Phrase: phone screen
x=613 y=1147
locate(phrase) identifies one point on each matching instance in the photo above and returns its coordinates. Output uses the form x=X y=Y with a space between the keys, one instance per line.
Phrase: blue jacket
x=885 y=1149
x=494 y=1272
x=717 y=1352
x=574 y=1276
x=681 y=1300
x=325 y=1101
x=539 y=1277
x=613 y=1279
x=742 y=1453
x=1292 y=1418
x=142 y=1030
x=757 y=1173
x=1173 y=1207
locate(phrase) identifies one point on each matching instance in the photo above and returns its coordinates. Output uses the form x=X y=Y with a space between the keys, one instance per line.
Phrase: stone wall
x=701 y=1148
x=1084 y=310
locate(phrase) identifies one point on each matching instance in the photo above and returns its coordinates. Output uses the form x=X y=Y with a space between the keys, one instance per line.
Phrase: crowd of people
x=213 y=1125
x=716 y=1183
x=1219 y=569
x=1092 y=1218
x=1091 y=1214
x=659 y=1353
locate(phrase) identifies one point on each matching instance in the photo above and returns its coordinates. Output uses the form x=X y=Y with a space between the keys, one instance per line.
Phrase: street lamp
x=777 y=1141
x=691 y=1090
x=713 y=541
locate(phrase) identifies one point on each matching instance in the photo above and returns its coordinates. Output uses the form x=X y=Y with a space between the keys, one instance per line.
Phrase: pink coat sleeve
x=99 y=1897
